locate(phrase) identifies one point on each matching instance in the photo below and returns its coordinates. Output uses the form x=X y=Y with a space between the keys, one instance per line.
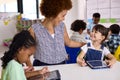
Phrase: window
x=29 y=9
x=8 y=6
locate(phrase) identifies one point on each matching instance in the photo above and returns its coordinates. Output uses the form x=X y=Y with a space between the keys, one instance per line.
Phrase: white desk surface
x=75 y=72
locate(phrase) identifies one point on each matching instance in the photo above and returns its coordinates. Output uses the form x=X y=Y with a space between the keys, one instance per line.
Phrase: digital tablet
x=53 y=75
x=97 y=64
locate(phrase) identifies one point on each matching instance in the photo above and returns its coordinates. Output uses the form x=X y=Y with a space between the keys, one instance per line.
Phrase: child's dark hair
x=77 y=25
x=115 y=28
x=22 y=39
x=102 y=29
x=96 y=15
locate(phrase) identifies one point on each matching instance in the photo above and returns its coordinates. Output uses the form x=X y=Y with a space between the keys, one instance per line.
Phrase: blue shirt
x=50 y=50
x=90 y=26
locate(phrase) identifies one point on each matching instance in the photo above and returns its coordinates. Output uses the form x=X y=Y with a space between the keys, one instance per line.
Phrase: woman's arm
x=71 y=43
x=31 y=32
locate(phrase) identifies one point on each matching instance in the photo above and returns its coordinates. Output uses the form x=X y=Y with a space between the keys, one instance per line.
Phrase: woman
x=51 y=34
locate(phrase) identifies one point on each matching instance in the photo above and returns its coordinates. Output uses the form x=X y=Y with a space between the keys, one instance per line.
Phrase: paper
x=7 y=25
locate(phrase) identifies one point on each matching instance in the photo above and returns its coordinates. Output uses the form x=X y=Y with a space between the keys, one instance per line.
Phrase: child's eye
x=96 y=31
x=92 y=30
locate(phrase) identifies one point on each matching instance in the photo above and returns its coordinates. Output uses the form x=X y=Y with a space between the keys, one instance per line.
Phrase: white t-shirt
x=78 y=37
x=105 y=51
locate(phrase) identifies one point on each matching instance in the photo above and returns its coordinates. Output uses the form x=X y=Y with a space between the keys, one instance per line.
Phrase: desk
x=75 y=72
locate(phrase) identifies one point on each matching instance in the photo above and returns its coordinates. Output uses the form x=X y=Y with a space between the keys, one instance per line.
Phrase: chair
x=73 y=53
x=117 y=53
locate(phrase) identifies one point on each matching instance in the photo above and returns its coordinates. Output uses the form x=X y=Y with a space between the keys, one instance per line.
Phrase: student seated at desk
x=95 y=50
x=114 y=38
x=78 y=26
x=20 y=50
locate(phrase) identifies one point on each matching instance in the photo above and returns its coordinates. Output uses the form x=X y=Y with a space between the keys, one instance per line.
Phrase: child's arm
x=36 y=72
x=80 y=59
x=111 y=60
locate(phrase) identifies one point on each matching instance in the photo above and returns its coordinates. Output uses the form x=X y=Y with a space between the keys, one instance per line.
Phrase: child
x=96 y=19
x=20 y=50
x=78 y=26
x=95 y=50
x=114 y=38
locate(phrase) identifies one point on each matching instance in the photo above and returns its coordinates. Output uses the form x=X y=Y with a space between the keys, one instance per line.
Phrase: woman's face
x=60 y=17
x=24 y=54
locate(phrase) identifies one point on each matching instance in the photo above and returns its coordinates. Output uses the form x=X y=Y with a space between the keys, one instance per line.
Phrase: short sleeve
x=84 y=48
x=89 y=26
x=106 y=51
x=16 y=72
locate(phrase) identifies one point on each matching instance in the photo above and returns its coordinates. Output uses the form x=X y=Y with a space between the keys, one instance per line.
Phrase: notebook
x=97 y=64
x=53 y=75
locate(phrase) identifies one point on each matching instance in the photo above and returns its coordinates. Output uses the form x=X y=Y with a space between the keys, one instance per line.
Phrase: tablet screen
x=53 y=75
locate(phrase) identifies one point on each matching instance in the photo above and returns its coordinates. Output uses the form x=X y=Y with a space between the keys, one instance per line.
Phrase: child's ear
x=103 y=37
x=109 y=32
x=21 y=50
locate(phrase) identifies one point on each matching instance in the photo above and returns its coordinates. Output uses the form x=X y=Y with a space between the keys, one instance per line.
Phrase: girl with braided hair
x=20 y=50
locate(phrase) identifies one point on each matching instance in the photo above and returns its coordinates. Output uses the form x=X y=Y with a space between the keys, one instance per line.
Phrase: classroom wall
x=7 y=25
x=77 y=12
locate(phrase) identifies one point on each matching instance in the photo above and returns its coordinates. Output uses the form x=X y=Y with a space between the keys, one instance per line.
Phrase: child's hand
x=31 y=68
x=44 y=70
x=81 y=62
x=109 y=63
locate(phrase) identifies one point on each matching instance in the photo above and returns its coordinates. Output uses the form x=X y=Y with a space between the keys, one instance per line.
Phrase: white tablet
x=97 y=64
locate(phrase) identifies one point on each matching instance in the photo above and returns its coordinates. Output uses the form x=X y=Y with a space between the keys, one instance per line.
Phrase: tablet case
x=97 y=64
x=53 y=75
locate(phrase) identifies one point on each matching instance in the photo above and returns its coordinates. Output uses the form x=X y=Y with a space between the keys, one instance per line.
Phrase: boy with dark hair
x=95 y=20
x=114 y=38
x=78 y=26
